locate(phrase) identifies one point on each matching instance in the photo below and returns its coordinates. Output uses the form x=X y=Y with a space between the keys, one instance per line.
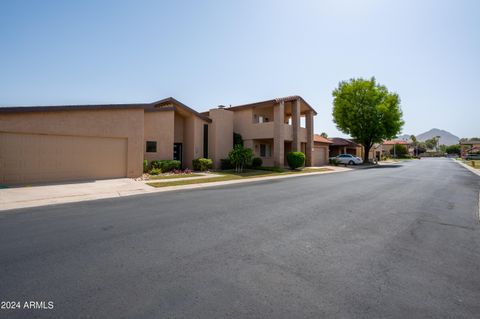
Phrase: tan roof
x=395 y=142
x=321 y=139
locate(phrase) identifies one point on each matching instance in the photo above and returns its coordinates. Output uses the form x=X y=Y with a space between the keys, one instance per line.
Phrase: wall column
x=296 y=147
x=309 y=146
x=279 y=134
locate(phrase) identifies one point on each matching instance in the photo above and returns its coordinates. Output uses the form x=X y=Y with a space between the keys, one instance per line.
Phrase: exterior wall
x=178 y=129
x=267 y=160
x=192 y=139
x=126 y=123
x=220 y=135
x=159 y=127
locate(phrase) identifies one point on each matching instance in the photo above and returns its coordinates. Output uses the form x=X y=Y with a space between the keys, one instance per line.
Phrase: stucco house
x=77 y=142
x=467 y=147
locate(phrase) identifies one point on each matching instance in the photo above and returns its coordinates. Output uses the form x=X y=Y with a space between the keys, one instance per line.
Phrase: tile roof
x=338 y=141
x=392 y=142
x=273 y=101
x=321 y=139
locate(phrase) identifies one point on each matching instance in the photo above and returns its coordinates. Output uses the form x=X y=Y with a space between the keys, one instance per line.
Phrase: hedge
x=165 y=165
x=202 y=164
x=295 y=159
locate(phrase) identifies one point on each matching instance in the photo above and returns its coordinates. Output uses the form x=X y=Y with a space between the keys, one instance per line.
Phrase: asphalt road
x=393 y=242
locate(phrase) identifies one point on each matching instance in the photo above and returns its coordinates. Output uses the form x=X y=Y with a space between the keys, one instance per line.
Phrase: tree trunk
x=365 y=155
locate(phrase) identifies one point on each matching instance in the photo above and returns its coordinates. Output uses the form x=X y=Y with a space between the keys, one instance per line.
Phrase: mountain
x=446 y=138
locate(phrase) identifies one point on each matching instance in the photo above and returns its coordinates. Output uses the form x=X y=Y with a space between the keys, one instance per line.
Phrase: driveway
x=392 y=242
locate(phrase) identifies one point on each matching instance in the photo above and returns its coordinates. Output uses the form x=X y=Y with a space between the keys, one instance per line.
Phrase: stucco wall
x=159 y=127
x=192 y=139
x=178 y=137
x=94 y=123
x=220 y=138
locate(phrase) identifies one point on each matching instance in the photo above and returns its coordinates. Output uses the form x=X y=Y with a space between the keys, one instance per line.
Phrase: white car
x=348 y=159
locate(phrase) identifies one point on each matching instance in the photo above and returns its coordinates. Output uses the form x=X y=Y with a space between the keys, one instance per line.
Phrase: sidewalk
x=471 y=169
x=34 y=196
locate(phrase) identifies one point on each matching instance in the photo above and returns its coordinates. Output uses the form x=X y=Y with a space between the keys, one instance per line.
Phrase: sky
x=207 y=53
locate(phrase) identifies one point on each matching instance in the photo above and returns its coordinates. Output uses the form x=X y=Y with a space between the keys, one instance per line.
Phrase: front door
x=177 y=152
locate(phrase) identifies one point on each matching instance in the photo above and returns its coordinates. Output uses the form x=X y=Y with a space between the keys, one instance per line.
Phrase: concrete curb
x=471 y=169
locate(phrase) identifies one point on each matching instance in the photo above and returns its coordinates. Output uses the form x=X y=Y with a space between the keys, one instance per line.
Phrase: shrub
x=225 y=164
x=145 y=166
x=202 y=164
x=295 y=159
x=333 y=161
x=237 y=139
x=257 y=162
x=399 y=150
x=240 y=157
x=165 y=165
x=155 y=171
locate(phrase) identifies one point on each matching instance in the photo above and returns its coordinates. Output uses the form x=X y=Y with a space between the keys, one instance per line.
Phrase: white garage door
x=30 y=158
x=319 y=158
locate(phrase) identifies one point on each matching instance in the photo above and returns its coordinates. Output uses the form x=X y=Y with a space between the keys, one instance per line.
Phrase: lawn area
x=228 y=175
x=171 y=176
x=474 y=164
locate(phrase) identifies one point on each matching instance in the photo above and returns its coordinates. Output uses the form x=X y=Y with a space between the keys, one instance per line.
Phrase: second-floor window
x=261 y=119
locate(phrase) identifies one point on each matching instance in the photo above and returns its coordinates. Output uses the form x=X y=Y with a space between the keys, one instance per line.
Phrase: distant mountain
x=446 y=138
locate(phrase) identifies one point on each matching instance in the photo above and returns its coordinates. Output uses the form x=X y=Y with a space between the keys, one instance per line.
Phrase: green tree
x=323 y=134
x=367 y=111
x=237 y=139
x=399 y=150
x=431 y=143
x=240 y=157
x=453 y=149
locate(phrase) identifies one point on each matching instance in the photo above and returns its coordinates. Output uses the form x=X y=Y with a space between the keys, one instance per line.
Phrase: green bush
x=240 y=157
x=237 y=139
x=145 y=166
x=257 y=162
x=225 y=164
x=165 y=165
x=333 y=161
x=155 y=171
x=202 y=164
x=295 y=159
x=399 y=151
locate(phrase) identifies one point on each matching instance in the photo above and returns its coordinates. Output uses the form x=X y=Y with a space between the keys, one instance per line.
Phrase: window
x=151 y=146
x=205 y=140
x=265 y=150
x=260 y=119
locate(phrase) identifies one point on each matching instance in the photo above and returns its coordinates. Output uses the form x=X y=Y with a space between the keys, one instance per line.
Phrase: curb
x=471 y=169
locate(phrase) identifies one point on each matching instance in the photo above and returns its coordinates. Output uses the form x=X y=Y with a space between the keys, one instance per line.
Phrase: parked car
x=471 y=157
x=348 y=159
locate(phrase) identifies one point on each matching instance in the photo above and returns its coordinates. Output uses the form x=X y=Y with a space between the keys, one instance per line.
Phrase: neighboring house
x=387 y=146
x=270 y=128
x=321 y=152
x=467 y=147
x=78 y=142
x=344 y=146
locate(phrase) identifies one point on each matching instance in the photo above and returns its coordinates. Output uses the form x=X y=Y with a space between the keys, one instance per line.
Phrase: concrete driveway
x=30 y=196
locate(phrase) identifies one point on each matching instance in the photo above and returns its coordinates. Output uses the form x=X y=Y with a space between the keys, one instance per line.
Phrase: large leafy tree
x=367 y=111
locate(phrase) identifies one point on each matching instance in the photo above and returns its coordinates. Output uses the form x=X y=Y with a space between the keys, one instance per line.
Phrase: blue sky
x=206 y=53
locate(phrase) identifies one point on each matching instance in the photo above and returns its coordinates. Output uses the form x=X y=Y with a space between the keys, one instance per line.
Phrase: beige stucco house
x=78 y=142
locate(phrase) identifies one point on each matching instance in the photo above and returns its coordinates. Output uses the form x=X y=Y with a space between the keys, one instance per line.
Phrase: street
x=399 y=241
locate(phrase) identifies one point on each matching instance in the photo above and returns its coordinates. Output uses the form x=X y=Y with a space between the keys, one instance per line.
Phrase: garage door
x=30 y=158
x=319 y=156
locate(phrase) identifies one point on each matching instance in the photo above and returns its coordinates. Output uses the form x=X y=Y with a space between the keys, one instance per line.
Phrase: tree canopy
x=367 y=111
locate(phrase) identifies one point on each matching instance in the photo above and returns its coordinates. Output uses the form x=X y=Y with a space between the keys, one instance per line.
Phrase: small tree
x=237 y=139
x=240 y=157
x=367 y=111
x=324 y=135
